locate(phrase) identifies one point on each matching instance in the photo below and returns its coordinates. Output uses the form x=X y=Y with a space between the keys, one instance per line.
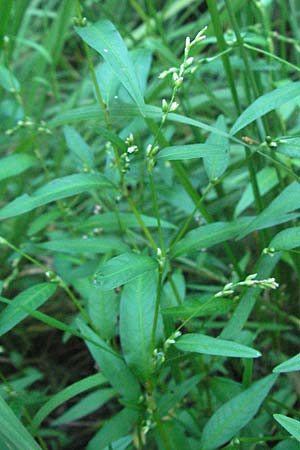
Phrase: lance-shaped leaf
x=216 y=162
x=112 y=365
x=12 y=431
x=79 y=147
x=103 y=244
x=106 y=40
x=207 y=345
x=123 y=268
x=190 y=151
x=287 y=201
x=286 y=239
x=85 y=406
x=291 y=425
x=54 y=190
x=265 y=104
x=228 y=420
x=208 y=235
x=15 y=164
x=69 y=392
x=115 y=431
x=266 y=180
x=290 y=365
x=32 y=298
x=137 y=311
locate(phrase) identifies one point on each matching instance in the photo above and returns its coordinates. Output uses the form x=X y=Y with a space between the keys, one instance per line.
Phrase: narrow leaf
x=266 y=180
x=15 y=164
x=69 y=392
x=114 y=429
x=137 y=312
x=291 y=425
x=265 y=104
x=8 y=81
x=208 y=235
x=55 y=190
x=112 y=365
x=31 y=298
x=85 y=406
x=199 y=343
x=231 y=417
x=123 y=268
x=216 y=162
x=106 y=40
x=79 y=147
x=290 y=365
x=13 y=432
x=287 y=201
x=89 y=245
x=286 y=239
x=120 y=221
x=190 y=151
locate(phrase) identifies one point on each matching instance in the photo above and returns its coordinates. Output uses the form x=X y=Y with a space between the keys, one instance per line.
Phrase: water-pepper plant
x=149 y=235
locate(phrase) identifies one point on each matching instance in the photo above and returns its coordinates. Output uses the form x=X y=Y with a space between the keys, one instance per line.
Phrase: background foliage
x=149 y=211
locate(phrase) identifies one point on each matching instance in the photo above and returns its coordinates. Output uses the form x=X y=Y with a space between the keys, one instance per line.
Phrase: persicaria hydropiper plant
x=149 y=225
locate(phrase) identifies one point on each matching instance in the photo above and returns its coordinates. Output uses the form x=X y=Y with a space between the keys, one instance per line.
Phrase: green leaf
x=79 y=147
x=112 y=365
x=42 y=221
x=208 y=235
x=206 y=345
x=13 y=432
x=289 y=146
x=286 y=239
x=204 y=306
x=190 y=151
x=18 y=385
x=32 y=298
x=265 y=104
x=217 y=162
x=114 y=429
x=285 y=202
x=88 y=245
x=291 y=425
x=123 y=268
x=116 y=221
x=103 y=309
x=85 y=406
x=290 y=365
x=137 y=310
x=65 y=395
x=175 y=394
x=266 y=180
x=231 y=417
x=15 y=164
x=55 y=190
x=8 y=81
x=287 y=444
x=106 y=40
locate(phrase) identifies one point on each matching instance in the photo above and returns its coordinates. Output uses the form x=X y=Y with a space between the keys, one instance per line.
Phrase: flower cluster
x=178 y=73
x=28 y=123
x=250 y=281
x=131 y=149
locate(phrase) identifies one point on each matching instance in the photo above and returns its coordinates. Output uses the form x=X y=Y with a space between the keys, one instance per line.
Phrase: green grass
x=149 y=225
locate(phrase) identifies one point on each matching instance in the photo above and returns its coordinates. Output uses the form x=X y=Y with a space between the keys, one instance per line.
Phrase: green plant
x=149 y=213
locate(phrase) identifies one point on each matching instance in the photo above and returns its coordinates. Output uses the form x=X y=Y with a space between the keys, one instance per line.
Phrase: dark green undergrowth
x=149 y=224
